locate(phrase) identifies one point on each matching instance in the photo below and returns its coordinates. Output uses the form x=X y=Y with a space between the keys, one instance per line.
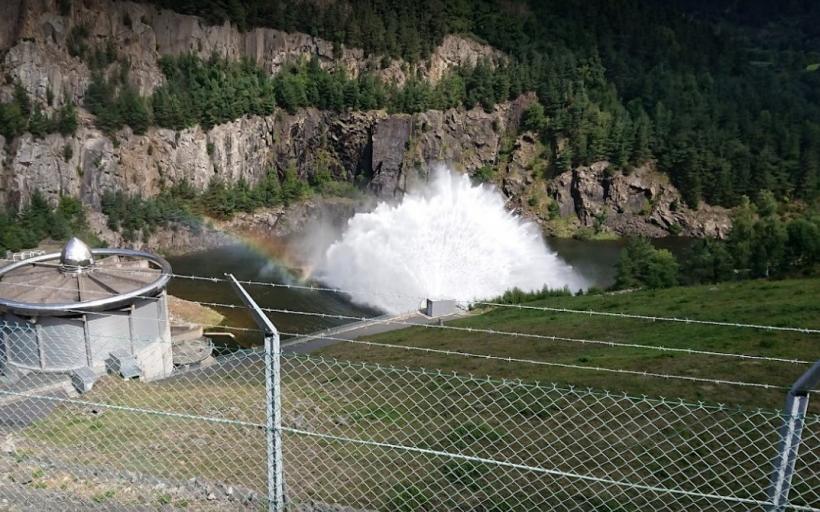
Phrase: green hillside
x=779 y=303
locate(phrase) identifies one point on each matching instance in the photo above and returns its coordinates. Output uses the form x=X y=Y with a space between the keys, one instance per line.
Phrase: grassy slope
x=789 y=302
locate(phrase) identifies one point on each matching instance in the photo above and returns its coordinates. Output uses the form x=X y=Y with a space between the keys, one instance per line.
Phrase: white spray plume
x=450 y=240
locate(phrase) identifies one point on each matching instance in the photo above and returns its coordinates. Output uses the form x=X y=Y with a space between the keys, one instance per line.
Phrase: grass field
x=782 y=303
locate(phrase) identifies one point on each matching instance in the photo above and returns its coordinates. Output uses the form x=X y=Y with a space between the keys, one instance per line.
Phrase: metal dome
x=80 y=279
x=76 y=256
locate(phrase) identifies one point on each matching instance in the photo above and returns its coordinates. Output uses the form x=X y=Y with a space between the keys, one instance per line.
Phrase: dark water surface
x=247 y=263
x=593 y=259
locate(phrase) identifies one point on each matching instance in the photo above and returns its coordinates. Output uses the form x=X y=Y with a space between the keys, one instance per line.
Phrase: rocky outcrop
x=145 y=164
x=391 y=152
x=391 y=137
x=519 y=174
x=283 y=222
x=642 y=202
x=405 y=148
x=176 y=239
x=455 y=51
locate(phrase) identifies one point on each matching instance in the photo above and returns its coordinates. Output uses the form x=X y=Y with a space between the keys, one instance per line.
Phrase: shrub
x=76 y=41
x=67 y=119
x=518 y=296
x=64 y=7
x=407 y=498
x=469 y=433
x=38 y=221
x=641 y=265
x=484 y=174
x=554 y=210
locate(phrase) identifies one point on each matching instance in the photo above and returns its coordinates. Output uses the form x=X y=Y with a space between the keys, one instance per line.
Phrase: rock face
x=642 y=202
x=34 y=37
x=389 y=151
x=406 y=148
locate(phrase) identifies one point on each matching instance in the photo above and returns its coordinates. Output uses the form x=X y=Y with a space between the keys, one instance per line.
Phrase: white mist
x=451 y=240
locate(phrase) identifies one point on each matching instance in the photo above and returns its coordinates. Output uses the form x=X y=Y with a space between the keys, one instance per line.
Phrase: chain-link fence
x=366 y=437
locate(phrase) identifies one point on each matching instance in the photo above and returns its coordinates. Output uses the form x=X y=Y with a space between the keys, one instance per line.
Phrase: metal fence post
x=273 y=400
x=797 y=401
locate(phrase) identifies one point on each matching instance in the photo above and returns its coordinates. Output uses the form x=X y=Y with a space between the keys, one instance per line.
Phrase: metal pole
x=797 y=401
x=273 y=400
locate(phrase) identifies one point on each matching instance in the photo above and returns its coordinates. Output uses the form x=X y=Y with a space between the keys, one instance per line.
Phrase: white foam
x=451 y=240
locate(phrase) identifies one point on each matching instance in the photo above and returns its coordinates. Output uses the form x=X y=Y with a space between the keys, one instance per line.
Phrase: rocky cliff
x=387 y=152
x=35 y=36
x=641 y=202
x=395 y=150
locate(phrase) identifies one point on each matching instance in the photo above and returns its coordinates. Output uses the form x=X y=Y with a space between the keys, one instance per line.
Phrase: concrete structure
x=63 y=312
x=437 y=308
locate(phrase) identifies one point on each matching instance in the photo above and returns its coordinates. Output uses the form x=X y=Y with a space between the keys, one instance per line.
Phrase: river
x=594 y=259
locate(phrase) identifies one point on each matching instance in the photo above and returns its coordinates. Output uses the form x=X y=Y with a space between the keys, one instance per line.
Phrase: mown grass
x=782 y=303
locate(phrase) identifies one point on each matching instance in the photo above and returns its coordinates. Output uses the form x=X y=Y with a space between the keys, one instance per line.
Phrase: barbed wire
x=381 y=319
x=9 y=326
x=289 y=286
x=536 y=362
x=652 y=318
x=804 y=330
x=535 y=336
x=326 y=289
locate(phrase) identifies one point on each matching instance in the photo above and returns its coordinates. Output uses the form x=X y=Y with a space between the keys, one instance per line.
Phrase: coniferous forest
x=727 y=102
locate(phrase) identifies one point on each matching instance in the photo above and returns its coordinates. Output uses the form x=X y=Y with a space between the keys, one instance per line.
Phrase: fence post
x=273 y=400
x=797 y=401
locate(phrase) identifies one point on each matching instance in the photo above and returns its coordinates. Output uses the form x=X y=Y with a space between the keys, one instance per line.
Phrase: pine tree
x=132 y=110
x=640 y=147
x=12 y=121
x=67 y=119
x=39 y=123
x=21 y=99
x=351 y=95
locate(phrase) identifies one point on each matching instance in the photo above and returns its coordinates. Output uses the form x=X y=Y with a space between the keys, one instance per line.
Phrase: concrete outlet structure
x=82 y=311
x=437 y=308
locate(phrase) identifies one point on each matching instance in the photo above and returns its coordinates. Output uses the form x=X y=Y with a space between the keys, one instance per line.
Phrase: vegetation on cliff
x=21 y=115
x=137 y=217
x=726 y=111
x=615 y=82
x=38 y=220
x=214 y=91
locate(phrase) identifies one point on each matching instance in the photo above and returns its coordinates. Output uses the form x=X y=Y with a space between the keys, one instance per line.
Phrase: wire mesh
x=368 y=437
x=462 y=443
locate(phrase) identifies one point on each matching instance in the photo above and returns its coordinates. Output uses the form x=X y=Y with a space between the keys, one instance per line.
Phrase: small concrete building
x=84 y=312
x=439 y=307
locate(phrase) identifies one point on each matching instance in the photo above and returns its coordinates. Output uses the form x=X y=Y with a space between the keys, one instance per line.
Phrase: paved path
x=317 y=340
